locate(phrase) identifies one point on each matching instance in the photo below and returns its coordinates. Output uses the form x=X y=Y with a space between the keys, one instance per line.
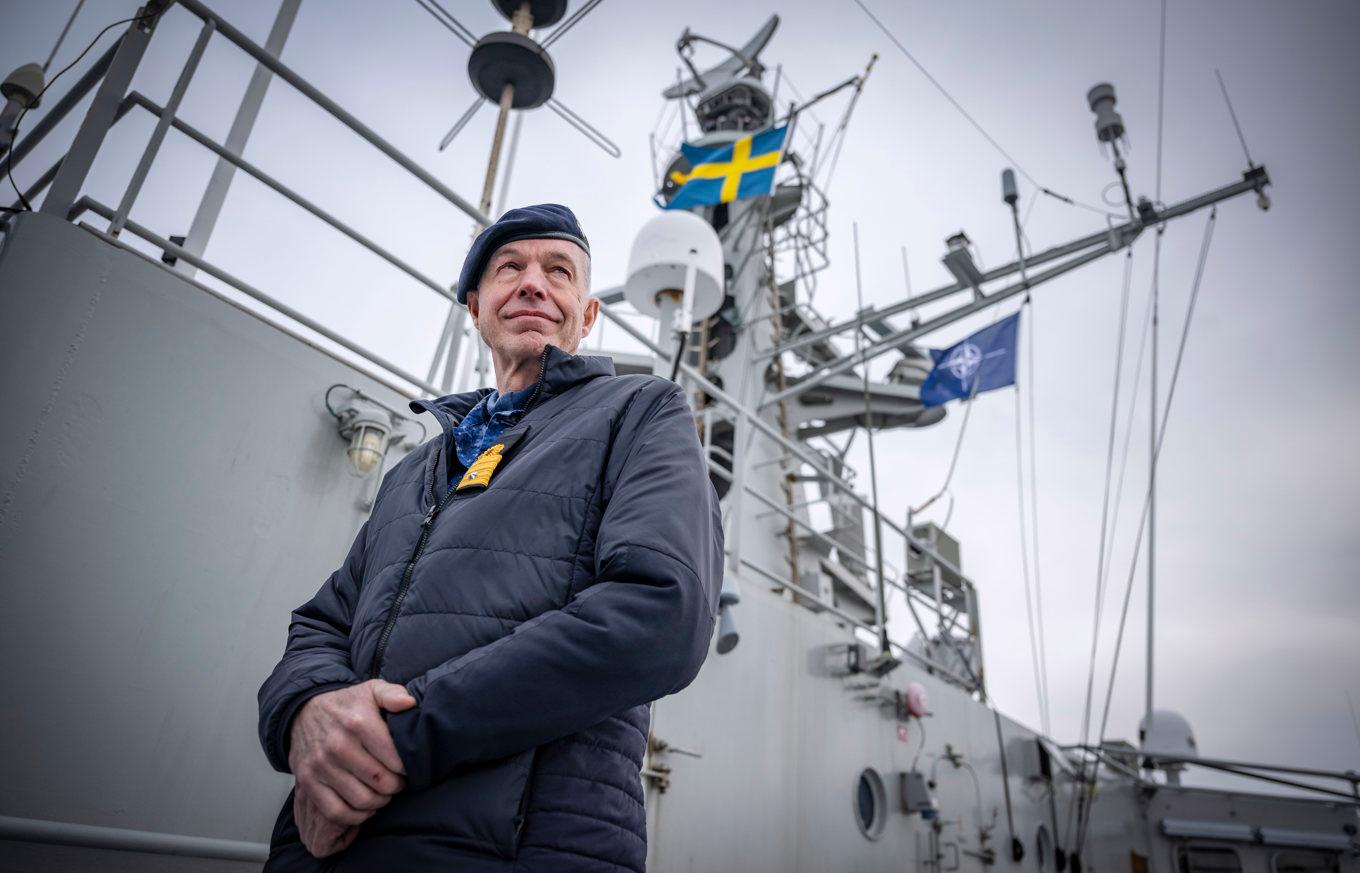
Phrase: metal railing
x=727 y=409
x=62 y=833
x=1113 y=755
x=112 y=74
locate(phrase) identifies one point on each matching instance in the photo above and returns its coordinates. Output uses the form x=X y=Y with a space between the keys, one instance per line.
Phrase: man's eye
x=508 y=265
x=563 y=270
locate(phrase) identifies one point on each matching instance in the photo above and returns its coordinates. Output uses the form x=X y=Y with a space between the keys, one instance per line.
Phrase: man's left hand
x=320 y=836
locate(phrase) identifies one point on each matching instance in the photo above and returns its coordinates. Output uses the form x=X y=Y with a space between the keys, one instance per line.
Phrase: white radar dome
x=662 y=251
x=1168 y=733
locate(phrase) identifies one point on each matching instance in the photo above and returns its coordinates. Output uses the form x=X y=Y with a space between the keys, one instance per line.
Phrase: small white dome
x=1169 y=734
x=662 y=250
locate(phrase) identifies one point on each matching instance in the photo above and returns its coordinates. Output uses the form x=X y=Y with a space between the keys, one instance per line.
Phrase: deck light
x=366 y=425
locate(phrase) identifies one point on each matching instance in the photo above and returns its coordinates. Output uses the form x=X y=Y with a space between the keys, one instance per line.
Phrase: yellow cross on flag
x=730 y=172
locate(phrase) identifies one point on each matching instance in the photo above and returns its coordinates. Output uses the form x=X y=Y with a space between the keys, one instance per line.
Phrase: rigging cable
x=1226 y=99
x=883 y=643
x=838 y=135
x=444 y=17
x=1156 y=452
x=1034 y=507
x=953 y=461
x=1024 y=558
x=1103 y=570
x=9 y=156
x=62 y=37
x=963 y=427
x=1128 y=430
x=971 y=120
x=1104 y=519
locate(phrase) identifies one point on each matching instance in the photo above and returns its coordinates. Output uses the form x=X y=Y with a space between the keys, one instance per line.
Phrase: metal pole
x=1152 y=489
x=881 y=602
x=459 y=316
x=891 y=342
x=510 y=164
x=215 y=195
x=72 y=20
x=489 y=186
x=667 y=317
x=51 y=173
x=99 y=117
x=1254 y=179
x=153 y=143
x=520 y=23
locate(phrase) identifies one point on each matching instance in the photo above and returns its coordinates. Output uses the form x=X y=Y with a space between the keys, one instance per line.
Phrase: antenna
x=744 y=59
x=1110 y=129
x=1011 y=195
x=514 y=71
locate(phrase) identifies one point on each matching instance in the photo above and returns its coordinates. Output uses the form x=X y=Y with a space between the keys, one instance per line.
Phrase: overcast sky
x=1258 y=602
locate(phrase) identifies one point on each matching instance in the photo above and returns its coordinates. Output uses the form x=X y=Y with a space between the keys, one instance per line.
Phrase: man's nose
x=533 y=282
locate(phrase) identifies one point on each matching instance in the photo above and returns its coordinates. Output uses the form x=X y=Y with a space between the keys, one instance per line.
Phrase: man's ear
x=589 y=314
x=473 y=306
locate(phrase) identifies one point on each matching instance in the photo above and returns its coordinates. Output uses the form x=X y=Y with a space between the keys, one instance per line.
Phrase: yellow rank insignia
x=479 y=474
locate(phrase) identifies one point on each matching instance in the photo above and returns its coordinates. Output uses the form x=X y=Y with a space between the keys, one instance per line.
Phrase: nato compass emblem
x=964 y=362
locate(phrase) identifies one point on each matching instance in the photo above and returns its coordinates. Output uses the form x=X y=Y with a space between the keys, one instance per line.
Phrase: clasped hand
x=346 y=765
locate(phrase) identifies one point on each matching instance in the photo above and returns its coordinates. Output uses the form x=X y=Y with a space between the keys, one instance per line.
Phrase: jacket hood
x=560 y=372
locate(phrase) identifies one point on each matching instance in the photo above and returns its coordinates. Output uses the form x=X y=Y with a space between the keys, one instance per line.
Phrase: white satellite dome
x=662 y=251
x=1167 y=733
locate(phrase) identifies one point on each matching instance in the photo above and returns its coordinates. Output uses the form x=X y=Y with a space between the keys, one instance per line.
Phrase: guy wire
x=1161 y=436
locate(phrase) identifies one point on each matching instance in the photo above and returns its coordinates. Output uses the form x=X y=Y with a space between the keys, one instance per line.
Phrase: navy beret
x=544 y=221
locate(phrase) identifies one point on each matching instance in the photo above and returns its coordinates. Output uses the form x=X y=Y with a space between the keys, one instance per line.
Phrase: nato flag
x=983 y=361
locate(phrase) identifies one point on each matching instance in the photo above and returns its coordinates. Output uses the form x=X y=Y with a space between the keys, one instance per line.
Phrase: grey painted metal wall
x=171 y=487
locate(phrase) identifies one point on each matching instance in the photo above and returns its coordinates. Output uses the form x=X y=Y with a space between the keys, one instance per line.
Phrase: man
x=469 y=690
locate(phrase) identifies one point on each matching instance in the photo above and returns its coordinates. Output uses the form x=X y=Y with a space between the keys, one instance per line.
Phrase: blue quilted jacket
x=533 y=620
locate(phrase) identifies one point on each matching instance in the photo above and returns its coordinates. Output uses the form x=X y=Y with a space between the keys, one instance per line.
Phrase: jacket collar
x=558 y=372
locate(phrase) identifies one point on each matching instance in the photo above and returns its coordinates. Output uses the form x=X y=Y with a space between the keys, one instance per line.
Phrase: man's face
x=534 y=292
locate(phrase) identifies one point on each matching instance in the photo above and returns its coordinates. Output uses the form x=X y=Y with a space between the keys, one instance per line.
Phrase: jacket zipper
x=538 y=386
x=426 y=525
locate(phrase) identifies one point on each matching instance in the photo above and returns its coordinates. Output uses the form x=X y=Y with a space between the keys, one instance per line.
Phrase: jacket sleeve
x=638 y=632
x=316 y=658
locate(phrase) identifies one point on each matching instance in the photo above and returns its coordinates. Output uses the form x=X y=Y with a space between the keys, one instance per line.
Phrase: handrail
x=1349 y=776
x=139 y=99
x=801 y=452
x=169 y=248
x=924 y=662
x=51 y=173
x=64 y=833
x=1239 y=768
x=283 y=71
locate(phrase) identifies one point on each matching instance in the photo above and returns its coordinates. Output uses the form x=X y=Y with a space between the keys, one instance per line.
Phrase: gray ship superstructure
x=187 y=460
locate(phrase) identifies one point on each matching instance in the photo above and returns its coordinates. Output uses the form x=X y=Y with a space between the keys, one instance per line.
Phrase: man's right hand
x=342 y=754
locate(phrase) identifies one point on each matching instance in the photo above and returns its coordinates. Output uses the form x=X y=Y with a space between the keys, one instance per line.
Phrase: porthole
x=871 y=803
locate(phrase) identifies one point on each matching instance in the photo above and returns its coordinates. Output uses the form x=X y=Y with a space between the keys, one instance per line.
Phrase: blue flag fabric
x=730 y=172
x=985 y=360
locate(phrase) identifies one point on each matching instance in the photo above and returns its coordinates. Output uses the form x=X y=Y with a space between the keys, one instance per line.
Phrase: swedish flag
x=731 y=172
